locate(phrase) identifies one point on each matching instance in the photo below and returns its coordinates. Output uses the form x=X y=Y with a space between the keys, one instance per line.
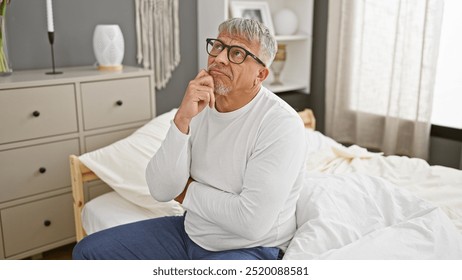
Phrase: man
x=233 y=157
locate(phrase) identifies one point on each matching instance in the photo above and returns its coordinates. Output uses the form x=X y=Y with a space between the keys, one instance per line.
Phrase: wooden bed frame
x=80 y=174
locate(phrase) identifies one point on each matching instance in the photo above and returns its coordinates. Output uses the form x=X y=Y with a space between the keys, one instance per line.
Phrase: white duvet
x=356 y=216
x=355 y=204
x=439 y=185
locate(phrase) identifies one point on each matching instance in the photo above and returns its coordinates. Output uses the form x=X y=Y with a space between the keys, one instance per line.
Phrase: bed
x=355 y=204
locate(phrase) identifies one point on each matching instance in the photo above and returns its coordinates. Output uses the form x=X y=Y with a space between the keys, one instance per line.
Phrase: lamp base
x=110 y=68
x=277 y=67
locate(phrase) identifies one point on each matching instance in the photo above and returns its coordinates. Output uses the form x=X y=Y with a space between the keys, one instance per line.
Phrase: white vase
x=108 y=46
x=285 y=22
x=278 y=65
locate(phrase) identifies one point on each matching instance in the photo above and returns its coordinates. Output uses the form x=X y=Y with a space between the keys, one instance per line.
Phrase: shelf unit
x=297 y=69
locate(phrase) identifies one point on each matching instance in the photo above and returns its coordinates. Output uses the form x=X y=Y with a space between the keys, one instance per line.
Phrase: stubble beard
x=220 y=88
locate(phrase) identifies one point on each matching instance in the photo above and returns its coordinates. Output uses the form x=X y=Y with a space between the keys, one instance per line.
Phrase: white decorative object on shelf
x=285 y=22
x=108 y=45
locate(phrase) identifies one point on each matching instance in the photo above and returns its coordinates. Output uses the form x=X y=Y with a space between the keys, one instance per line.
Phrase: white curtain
x=381 y=61
x=158 y=37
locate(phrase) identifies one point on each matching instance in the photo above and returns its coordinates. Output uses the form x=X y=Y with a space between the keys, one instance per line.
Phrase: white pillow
x=122 y=164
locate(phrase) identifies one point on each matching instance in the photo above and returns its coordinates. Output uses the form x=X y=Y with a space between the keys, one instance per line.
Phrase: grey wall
x=75 y=21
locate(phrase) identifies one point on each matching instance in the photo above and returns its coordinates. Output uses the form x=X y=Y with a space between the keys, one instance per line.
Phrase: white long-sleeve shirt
x=248 y=170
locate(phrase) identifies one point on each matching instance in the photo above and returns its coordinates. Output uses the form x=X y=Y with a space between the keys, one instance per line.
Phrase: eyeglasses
x=236 y=54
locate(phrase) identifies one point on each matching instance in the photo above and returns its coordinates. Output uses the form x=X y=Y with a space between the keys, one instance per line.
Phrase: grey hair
x=253 y=30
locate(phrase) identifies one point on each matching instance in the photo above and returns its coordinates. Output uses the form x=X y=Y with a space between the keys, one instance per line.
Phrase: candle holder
x=51 y=39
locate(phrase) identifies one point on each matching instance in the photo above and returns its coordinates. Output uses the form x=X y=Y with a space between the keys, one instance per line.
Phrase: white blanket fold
x=356 y=216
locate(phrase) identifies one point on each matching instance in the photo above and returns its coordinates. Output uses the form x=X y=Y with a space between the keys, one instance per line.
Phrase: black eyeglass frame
x=228 y=47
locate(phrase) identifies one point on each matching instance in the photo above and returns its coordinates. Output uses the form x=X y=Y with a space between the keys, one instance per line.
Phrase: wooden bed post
x=79 y=175
x=77 y=194
x=308 y=118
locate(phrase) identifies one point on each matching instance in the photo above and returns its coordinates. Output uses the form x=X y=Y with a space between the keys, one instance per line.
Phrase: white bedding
x=344 y=212
x=356 y=216
x=122 y=165
x=437 y=184
x=110 y=209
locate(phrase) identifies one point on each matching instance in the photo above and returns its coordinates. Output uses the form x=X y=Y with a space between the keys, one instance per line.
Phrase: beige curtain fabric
x=158 y=37
x=381 y=61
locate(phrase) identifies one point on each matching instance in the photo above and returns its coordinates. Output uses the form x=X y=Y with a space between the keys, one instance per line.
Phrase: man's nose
x=222 y=57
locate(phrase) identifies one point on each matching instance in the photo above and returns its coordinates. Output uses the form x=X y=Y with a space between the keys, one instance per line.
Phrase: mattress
x=110 y=209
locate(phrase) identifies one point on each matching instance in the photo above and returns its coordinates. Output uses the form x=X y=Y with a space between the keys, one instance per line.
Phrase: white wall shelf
x=289 y=38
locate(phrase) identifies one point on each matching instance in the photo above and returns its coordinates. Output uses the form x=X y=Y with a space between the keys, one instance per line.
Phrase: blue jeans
x=157 y=239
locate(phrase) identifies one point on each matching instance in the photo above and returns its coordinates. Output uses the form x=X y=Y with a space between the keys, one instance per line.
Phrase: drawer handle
x=36 y=114
x=42 y=170
x=119 y=102
x=47 y=223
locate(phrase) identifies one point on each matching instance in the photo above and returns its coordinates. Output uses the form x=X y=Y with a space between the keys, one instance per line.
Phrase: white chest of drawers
x=44 y=119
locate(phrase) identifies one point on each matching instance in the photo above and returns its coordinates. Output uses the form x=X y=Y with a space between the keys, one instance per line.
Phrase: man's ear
x=263 y=74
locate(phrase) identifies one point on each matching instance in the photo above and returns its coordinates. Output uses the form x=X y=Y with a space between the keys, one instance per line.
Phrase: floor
x=60 y=253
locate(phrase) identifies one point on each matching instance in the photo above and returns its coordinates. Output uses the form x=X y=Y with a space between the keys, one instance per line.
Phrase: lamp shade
x=108 y=46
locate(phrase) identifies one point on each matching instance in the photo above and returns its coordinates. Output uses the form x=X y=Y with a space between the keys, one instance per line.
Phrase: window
x=447 y=98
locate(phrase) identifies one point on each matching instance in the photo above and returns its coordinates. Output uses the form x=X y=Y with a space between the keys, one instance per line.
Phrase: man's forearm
x=168 y=170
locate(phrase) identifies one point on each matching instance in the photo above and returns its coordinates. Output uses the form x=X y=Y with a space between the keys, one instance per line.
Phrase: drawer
x=98 y=141
x=37 y=112
x=108 y=103
x=35 y=169
x=37 y=224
